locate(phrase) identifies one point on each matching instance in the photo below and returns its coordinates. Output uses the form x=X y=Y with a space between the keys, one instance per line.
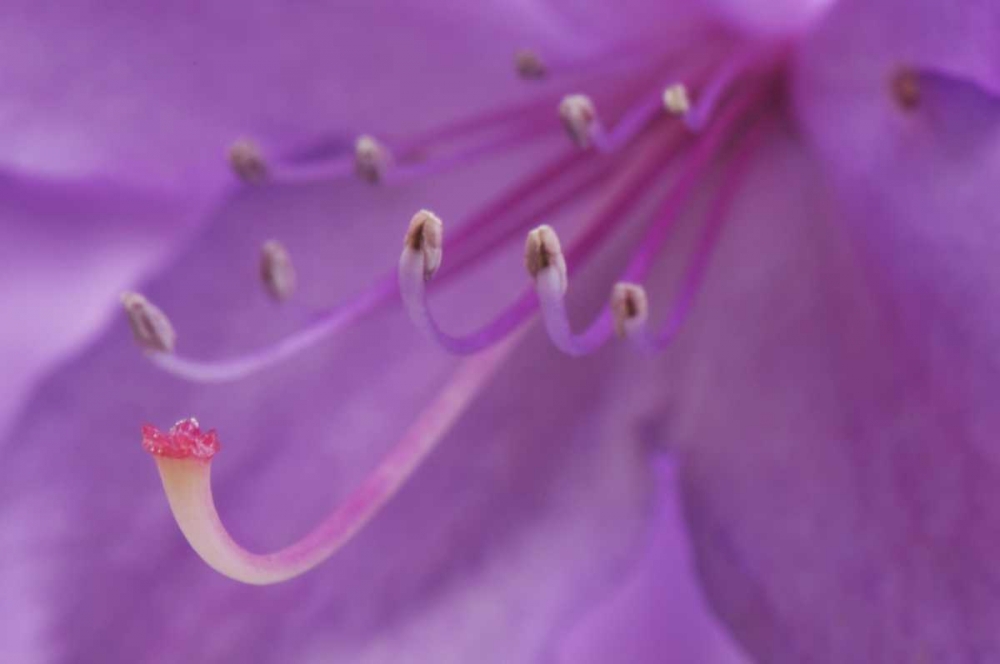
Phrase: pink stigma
x=184 y=440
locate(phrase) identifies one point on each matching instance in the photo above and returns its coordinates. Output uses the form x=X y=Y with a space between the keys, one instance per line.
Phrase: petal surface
x=838 y=402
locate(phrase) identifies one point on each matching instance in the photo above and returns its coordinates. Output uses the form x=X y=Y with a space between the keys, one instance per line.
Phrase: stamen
x=183 y=457
x=547 y=266
x=276 y=270
x=150 y=326
x=629 y=306
x=579 y=117
x=694 y=276
x=553 y=307
x=676 y=100
x=385 y=289
x=412 y=286
x=371 y=159
x=647 y=165
x=529 y=65
x=544 y=258
x=247 y=162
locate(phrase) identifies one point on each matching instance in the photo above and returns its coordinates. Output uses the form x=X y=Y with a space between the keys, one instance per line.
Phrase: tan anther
x=247 y=162
x=276 y=270
x=542 y=251
x=579 y=116
x=426 y=235
x=676 y=100
x=150 y=326
x=371 y=159
x=629 y=306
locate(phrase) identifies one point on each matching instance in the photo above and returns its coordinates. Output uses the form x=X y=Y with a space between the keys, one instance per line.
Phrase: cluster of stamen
x=701 y=115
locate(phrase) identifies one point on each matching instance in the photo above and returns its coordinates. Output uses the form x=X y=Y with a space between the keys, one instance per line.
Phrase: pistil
x=184 y=456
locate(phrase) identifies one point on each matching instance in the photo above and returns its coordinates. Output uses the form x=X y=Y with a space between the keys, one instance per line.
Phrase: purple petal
x=838 y=398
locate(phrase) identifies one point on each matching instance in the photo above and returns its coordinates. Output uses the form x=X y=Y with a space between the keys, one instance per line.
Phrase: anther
x=425 y=235
x=579 y=116
x=529 y=65
x=371 y=159
x=150 y=326
x=543 y=256
x=676 y=100
x=276 y=270
x=247 y=161
x=630 y=307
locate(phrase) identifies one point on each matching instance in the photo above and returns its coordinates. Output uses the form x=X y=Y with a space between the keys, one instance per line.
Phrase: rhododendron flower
x=498 y=310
